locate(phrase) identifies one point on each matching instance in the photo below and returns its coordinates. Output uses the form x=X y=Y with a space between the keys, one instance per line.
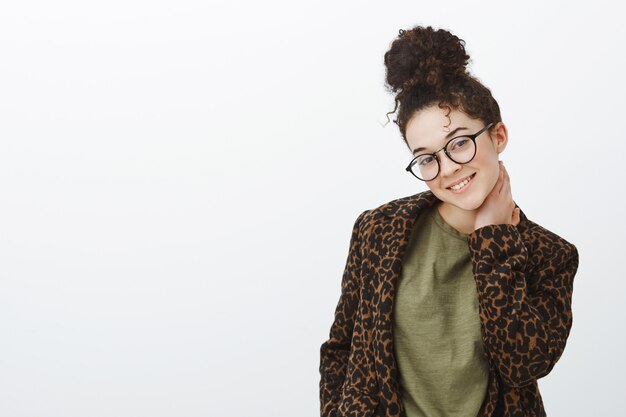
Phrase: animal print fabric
x=524 y=278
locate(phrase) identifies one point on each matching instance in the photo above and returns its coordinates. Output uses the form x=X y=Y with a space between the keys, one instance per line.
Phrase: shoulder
x=398 y=208
x=389 y=221
x=543 y=244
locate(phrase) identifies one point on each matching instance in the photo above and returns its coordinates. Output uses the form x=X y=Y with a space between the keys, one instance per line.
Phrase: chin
x=469 y=202
x=469 y=206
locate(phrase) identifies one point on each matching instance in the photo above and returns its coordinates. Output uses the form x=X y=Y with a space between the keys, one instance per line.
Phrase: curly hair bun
x=425 y=57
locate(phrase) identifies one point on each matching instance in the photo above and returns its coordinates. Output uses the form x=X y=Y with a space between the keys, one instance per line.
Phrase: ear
x=499 y=136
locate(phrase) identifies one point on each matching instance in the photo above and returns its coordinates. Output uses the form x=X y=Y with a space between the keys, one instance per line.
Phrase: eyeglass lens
x=461 y=151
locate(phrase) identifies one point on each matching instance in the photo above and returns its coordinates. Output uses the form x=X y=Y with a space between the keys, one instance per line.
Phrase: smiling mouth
x=462 y=184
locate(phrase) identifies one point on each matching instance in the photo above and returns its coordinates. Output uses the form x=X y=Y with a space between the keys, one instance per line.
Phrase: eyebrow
x=448 y=136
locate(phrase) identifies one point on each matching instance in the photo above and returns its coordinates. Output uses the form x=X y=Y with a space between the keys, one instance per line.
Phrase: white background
x=179 y=180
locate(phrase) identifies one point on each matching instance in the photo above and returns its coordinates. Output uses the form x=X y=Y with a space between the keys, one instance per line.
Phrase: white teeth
x=461 y=184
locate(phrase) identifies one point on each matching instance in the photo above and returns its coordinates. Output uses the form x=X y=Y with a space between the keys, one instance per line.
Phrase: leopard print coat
x=524 y=277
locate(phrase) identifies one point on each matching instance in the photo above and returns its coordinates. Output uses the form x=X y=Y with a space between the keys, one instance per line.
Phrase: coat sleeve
x=526 y=317
x=334 y=352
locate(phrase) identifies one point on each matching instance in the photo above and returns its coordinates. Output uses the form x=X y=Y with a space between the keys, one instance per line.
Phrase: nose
x=447 y=166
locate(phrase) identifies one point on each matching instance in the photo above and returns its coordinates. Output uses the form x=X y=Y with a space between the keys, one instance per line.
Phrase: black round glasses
x=460 y=149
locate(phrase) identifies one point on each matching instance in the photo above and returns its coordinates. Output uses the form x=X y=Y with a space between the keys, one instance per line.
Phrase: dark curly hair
x=425 y=66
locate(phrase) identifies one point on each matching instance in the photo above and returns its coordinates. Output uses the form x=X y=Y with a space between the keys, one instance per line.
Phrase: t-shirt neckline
x=434 y=212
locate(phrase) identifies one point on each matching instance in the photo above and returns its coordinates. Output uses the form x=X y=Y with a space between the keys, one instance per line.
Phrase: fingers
x=498 y=187
x=516 y=217
x=506 y=183
x=505 y=192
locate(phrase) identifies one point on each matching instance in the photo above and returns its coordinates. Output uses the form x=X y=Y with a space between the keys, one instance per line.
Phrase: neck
x=461 y=220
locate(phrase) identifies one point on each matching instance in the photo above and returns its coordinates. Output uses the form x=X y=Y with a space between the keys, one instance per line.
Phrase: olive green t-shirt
x=437 y=340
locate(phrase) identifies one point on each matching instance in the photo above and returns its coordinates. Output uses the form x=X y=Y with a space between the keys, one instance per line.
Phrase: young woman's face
x=431 y=129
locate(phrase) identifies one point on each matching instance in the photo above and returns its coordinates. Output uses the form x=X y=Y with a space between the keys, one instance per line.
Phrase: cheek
x=491 y=171
x=437 y=190
x=486 y=163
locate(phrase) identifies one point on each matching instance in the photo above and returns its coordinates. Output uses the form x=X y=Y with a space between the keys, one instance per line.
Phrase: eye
x=425 y=160
x=459 y=143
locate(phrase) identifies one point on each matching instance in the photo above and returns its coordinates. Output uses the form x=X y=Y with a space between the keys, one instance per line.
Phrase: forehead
x=429 y=127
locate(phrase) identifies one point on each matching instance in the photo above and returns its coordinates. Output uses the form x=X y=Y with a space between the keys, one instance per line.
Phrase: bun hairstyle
x=425 y=66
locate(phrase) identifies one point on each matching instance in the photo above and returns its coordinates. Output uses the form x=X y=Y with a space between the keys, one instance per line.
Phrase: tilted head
x=438 y=100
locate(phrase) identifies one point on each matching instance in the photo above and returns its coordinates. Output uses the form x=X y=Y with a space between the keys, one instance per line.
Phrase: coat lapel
x=391 y=232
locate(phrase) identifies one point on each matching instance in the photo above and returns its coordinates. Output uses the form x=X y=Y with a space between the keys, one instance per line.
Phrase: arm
x=525 y=328
x=335 y=351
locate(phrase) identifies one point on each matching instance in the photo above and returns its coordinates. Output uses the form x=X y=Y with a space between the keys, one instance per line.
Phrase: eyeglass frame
x=445 y=150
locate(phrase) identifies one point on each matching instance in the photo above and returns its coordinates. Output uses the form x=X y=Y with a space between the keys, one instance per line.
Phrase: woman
x=453 y=302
